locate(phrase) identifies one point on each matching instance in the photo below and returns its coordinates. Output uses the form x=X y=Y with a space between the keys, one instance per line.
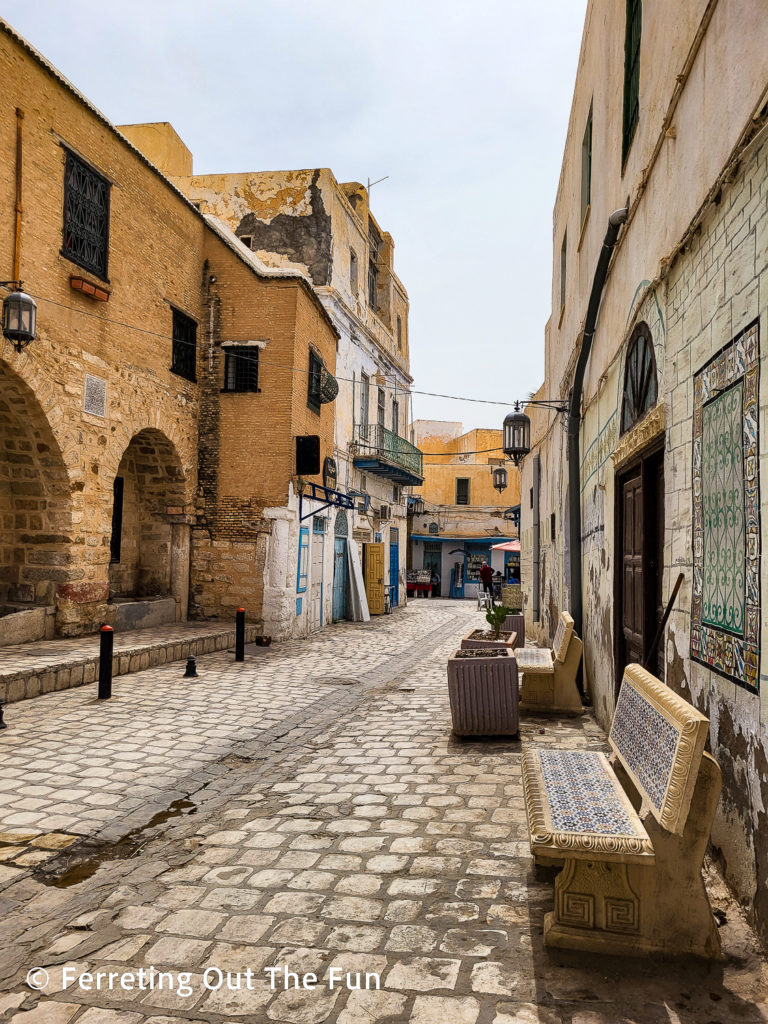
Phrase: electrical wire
x=265 y=362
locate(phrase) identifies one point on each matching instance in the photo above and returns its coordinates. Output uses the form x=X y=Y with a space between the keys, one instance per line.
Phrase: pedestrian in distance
x=435 y=581
x=486 y=577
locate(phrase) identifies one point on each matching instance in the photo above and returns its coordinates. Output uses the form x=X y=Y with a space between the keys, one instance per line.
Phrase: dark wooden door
x=632 y=593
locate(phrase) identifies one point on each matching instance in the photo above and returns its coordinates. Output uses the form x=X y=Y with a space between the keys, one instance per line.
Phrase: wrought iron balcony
x=384 y=453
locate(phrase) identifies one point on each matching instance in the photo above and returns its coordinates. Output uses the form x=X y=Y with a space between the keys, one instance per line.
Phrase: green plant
x=495 y=617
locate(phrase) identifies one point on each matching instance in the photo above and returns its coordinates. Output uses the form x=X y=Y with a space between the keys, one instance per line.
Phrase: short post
x=107 y=643
x=191 y=669
x=240 y=635
x=2 y=723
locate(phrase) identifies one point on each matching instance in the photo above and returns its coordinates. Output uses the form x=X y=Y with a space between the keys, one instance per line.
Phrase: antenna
x=370 y=185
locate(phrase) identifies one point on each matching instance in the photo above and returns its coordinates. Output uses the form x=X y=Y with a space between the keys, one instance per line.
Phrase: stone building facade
x=144 y=307
x=464 y=515
x=670 y=121
x=306 y=221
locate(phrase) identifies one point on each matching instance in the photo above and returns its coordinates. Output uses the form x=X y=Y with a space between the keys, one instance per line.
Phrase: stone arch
x=150 y=490
x=35 y=496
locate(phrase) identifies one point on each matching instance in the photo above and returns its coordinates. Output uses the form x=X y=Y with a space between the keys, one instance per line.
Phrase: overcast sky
x=463 y=104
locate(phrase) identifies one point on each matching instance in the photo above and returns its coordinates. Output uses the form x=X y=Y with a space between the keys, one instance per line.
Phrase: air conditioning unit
x=385 y=512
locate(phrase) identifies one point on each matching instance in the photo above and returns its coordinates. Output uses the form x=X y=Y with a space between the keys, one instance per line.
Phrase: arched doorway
x=35 y=500
x=149 y=540
x=639 y=516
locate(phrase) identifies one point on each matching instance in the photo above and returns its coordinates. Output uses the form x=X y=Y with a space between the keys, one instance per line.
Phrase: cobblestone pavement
x=356 y=836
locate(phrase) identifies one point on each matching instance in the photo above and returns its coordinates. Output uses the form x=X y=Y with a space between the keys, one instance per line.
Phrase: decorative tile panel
x=646 y=741
x=562 y=637
x=725 y=605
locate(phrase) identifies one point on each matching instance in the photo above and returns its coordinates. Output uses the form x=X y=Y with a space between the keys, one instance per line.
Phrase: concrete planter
x=473 y=643
x=483 y=694
x=516 y=623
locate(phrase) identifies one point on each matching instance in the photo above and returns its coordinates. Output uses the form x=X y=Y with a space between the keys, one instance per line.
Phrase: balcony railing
x=393 y=455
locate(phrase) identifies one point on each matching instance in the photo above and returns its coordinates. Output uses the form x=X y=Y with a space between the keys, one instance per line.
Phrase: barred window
x=631 y=73
x=86 y=216
x=241 y=368
x=184 y=358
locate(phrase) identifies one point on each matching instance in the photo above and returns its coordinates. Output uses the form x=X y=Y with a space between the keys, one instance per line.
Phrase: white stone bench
x=549 y=676
x=630 y=831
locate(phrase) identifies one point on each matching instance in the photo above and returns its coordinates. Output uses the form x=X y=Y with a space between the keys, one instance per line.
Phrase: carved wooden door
x=632 y=595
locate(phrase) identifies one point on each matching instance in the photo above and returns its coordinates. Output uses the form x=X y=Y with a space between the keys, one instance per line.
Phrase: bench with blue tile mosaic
x=630 y=831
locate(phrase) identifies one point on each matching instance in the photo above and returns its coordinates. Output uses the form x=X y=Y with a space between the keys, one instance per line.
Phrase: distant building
x=668 y=116
x=464 y=515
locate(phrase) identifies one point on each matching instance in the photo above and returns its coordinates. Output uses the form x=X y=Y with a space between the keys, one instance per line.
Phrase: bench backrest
x=562 y=637
x=659 y=738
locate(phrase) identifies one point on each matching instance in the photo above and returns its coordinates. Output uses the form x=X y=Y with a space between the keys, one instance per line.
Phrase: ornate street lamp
x=500 y=478
x=415 y=505
x=19 y=316
x=517 y=435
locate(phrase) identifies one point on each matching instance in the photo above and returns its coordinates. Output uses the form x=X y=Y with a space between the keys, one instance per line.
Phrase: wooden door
x=394 y=566
x=374 y=577
x=632 y=596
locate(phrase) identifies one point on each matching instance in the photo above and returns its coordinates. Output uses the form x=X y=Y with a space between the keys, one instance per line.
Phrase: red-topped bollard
x=240 y=635
x=107 y=638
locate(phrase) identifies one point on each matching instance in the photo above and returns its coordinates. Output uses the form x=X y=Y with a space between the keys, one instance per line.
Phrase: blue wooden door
x=339 y=578
x=394 y=566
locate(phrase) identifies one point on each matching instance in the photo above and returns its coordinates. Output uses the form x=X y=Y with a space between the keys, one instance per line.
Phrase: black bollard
x=107 y=637
x=2 y=723
x=191 y=669
x=240 y=635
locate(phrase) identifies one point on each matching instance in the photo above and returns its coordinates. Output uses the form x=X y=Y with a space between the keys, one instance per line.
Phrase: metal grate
x=184 y=357
x=241 y=368
x=86 y=216
x=631 y=73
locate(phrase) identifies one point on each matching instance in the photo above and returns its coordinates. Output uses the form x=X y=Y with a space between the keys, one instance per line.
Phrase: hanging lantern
x=19 y=317
x=329 y=386
x=415 y=505
x=500 y=479
x=517 y=435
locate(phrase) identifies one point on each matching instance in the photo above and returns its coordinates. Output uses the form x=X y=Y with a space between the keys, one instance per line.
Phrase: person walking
x=435 y=581
x=486 y=578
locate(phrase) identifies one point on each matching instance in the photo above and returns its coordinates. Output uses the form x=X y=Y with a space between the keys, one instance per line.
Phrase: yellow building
x=464 y=514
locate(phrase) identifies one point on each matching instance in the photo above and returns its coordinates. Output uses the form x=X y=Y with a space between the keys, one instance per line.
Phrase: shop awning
x=463 y=540
x=508 y=545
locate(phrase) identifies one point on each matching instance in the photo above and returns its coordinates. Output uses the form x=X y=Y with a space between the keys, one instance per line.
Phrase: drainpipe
x=536 y=541
x=617 y=218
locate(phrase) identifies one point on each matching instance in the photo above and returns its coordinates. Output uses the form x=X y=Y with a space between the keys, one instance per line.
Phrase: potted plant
x=483 y=692
x=493 y=638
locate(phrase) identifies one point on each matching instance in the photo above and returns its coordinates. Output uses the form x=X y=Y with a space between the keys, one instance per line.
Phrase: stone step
x=28 y=670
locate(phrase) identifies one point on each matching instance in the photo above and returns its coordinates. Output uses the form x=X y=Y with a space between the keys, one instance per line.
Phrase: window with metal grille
x=400 y=332
x=395 y=417
x=184 y=357
x=364 y=396
x=462 y=491
x=380 y=411
x=315 y=374
x=374 y=241
x=241 y=368
x=86 y=216
x=631 y=74
x=563 y=268
x=586 y=167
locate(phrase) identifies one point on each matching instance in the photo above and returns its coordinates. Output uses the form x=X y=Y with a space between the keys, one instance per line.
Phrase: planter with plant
x=495 y=637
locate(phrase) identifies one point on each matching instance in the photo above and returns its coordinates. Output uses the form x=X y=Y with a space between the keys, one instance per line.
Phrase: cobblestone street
x=307 y=811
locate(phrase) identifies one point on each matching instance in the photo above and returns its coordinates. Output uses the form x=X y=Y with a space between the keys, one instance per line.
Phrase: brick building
x=670 y=109
x=151 y=319
x=308 y=222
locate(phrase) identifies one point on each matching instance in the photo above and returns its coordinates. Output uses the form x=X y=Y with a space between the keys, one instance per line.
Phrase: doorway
x=394 y=566
x=317 y=552
x=638 y=575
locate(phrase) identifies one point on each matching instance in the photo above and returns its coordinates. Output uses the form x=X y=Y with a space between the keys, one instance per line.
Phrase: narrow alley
x=309 y=812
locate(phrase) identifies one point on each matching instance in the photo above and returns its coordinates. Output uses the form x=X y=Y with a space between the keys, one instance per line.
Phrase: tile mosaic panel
x=581 y=795
x=725 y=606
x=646 y=741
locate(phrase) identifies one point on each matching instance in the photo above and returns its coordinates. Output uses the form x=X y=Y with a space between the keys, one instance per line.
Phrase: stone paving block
x=372 y=1007
x=459 y=1010
x=422 y=974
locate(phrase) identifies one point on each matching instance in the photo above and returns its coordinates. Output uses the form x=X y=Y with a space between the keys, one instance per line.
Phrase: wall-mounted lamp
x=500 y=479
x=19 y=315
